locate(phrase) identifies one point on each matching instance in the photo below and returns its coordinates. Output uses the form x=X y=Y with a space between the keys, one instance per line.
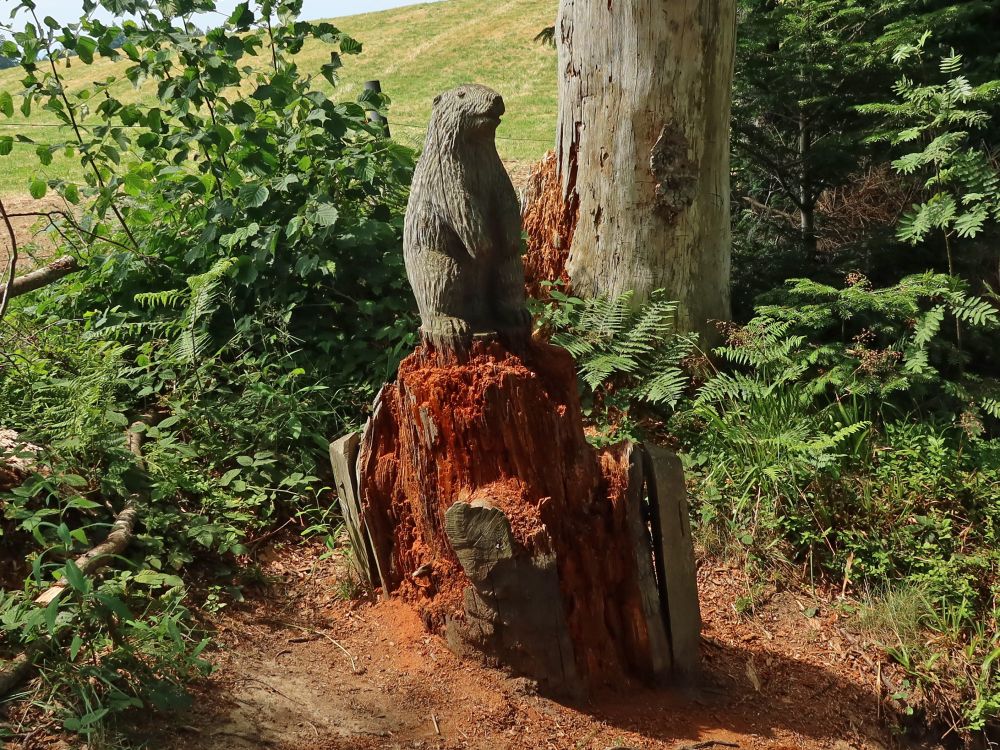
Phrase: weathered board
x=343 y=461
x=659 y=663
x=675 y=548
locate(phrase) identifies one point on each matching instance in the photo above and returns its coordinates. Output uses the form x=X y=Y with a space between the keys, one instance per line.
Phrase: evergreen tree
x=803 y=69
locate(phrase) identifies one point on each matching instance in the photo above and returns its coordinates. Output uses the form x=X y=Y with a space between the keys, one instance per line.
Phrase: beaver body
x=462 y=234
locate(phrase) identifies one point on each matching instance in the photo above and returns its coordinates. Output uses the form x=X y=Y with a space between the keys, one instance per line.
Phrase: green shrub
x=242 y=290
x=850 y=429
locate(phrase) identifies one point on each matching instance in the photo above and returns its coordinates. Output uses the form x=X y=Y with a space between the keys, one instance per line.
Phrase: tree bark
x=45 y=275
x=807 y=194
x=642 y=149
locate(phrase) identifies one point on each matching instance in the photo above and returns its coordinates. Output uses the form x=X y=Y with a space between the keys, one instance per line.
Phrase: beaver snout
x=496 y=108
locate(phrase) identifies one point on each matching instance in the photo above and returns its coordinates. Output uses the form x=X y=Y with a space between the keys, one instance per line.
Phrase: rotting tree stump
x=478 y=499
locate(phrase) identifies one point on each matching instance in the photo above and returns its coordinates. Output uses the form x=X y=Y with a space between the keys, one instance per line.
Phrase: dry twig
x=12 y=264
x=122 y=533
x=320 y=633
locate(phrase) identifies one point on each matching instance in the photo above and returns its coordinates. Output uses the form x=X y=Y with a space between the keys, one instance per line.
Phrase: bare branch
x=43 y=276
x=12 y=265
x=74 y=224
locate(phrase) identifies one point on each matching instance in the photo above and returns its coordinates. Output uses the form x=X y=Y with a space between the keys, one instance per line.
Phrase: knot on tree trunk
x=675 y=175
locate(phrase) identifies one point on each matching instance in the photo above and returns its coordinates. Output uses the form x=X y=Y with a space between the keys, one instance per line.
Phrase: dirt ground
x=299 y=667
x=33 y=238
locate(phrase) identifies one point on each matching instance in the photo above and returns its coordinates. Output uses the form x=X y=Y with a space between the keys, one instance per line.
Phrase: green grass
x=416 y=52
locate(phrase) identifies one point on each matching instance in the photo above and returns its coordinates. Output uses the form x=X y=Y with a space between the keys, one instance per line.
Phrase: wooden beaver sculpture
x=462 y=235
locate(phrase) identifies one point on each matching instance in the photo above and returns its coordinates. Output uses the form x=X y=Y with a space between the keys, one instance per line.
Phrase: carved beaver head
x=469 y=112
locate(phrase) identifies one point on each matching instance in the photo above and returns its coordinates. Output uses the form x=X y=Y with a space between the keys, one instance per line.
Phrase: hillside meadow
x=416 y=52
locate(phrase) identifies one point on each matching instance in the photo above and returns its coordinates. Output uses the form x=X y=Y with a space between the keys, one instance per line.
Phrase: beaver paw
x=445 y=331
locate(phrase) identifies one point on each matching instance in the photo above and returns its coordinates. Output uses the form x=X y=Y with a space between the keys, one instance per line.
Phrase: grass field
x=416 y=52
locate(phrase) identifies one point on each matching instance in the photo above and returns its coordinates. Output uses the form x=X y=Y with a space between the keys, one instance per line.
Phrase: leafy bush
x=846 y=428
x=852 y=431
x=242 y=291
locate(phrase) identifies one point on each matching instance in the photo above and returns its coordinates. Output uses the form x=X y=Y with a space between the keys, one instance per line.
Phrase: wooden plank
x=659 y=665
x=380 y=540
x=668 y=496
x=343 y=460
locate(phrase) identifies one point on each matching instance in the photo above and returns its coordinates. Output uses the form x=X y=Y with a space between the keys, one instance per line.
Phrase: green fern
x=626 y=356
x=189 y=338
x=936 y=122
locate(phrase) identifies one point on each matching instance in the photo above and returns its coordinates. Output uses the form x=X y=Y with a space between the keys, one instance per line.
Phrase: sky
x=66 y=11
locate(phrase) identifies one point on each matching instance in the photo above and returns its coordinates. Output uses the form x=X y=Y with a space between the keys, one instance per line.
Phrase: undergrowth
x=844 y=429
x=241 y=292
x=850 y=430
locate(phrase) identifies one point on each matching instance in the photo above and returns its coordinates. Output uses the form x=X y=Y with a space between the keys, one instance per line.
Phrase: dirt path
x=298 y=667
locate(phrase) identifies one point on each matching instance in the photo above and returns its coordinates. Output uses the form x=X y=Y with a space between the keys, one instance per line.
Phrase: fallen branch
x=43 y=276
x=121 y=535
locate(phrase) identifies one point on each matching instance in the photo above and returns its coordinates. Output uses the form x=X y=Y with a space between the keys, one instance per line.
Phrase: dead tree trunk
x=642 y=151
x=487 y=509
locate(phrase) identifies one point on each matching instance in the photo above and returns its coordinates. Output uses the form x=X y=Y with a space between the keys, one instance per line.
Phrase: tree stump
x=487 y=509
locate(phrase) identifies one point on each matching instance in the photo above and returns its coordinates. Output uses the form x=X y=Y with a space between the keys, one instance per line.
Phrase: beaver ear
x=437 y=99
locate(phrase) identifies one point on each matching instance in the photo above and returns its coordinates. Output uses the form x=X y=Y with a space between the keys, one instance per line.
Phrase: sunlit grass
x=416 y=52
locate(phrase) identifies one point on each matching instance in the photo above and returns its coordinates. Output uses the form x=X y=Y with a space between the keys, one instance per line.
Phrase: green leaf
x=93 y=717
x=75 y=577
x=6 y=145
x=74 y=646
x=44 y=154
x=229 y=476
x=85 y=48
x=254 y=195
x=116 y=418
x=329 y=70
x=153 y=579
x=38 y=188
x=240 y=235
x=169 y=422
x=6 y=104
x=242 y=112
x=241 y=16
x=116 y=605
x=51 y=613
x=326 y=215
x=349 y=45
